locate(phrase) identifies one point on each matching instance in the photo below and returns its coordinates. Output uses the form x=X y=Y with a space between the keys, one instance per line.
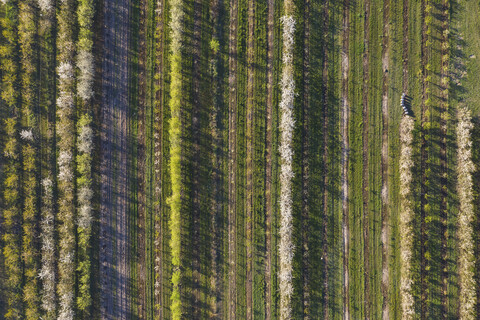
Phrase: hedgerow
x=287 y=123
x=406 y=217
x=84 y=213
x=85 y=65
x=466 y=243
x=175 y=132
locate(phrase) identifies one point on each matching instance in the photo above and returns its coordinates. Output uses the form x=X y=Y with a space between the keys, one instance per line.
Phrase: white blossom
x=47 y=271
x=64 y=166
x=66 y=312
x=287 y=125
x=47 y=184
x=45 y=5
x=64 y=158
x=466 y=259
x=85 y=139
x=85 y=78
x=65 y=70
x=65 y=100
x=406 y=217
x=26 y=135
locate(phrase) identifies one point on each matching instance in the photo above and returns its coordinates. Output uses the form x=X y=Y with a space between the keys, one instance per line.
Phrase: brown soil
x=385 y=164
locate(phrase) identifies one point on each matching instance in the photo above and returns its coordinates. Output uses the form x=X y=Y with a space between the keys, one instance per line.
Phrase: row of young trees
x=11 y=231
x=175 y=133
x=287 y=124
x=466 y=259
x=29 y=136
x=47 y=273
x=406 y=217
x=66 y=146
x=85 y=64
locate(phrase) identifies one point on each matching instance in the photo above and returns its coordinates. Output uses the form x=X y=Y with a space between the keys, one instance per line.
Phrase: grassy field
x=187 y=138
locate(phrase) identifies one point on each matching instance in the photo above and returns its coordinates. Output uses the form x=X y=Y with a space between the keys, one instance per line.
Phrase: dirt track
x=113 y=205
x=345 y=114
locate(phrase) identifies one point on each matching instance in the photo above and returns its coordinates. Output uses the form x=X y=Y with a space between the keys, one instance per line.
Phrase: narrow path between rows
x=114 y=130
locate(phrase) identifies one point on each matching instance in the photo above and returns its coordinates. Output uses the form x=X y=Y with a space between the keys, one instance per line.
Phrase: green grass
x=395 y=74
x=242 y=30
x=356 y=263
x=374 y=157
x=259 y=129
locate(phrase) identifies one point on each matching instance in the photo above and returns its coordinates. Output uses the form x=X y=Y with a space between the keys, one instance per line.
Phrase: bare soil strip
x=344 y=158
x=385 y=164
x=305 y=169
x=232 y=162
x=365 y=157
x=268 y=163
x=142 y=58
x=113 y=220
